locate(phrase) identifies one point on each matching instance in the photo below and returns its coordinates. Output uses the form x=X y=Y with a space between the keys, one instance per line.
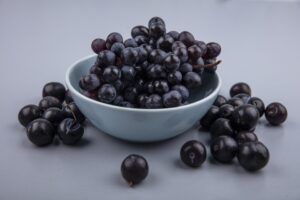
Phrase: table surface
x=40 y=39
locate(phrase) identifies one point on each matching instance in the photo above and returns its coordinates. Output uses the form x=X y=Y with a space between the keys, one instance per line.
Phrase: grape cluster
x=55 y=114
x=153 y=69
x=232 y=124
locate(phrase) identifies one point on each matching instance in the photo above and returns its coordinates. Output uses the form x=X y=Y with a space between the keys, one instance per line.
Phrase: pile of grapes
x=153 y=69
x=56 y=114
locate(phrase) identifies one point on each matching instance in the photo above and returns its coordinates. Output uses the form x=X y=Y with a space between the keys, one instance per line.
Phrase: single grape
x=107 y=93
x=113 y=38
x=98 y=45
x=139 y=31
x=111 y=74
x=187 y=38
x=172 y=99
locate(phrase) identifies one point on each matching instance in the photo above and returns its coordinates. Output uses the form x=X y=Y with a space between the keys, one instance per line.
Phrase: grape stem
x=73 y=114
x=212 y=65
x=130 y=183
x=209 y=66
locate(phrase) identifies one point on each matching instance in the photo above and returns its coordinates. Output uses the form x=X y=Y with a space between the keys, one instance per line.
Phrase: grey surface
x=40 y=39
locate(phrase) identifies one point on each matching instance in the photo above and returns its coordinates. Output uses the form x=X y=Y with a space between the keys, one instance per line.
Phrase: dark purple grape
x=157 y=56
x=107 y=93
x=154 y=101
x=118 y=100
x=213 y=50
x=220 y=100
x=235 y=102
x=253 y=156
x=117 y=48
x=96 y=70
x=98 y=45
x=173 y=34
x=142 y=54
x=161 y=86
x=72 y=111
x=210 y=117
x=258 y=103
x=165 y=43
x=156 y=20
x=157 y=30
x=55 y=89
x=40 y=132
x=187 y=38
x=194 y=52
x=141 y=39
x=222 y=126
x=119 y=85
x=129 y=56
x=29 y=113
x=178 y=44
x=156 y=71
x=224 y=149
x=172 y=99
x=89 y=82
x=276 y=113
x=106 y=58
x=192 y=80
x=245 y=118
x=244 y=97
x=185 y=68
x=202 y=46
x=111 y=74
x=48 y=102
x=130 y=43
x=174 y=77
x=171 y=62
x=147 y=47
x=134 y=169
x=183 y=91
x=139 y=31
x=226 y=111
x=182 y=54
x=193 y=153
x=113 y=38
x=128 y=73
x=70 y=131
x=240 y=87
x=53 y=115
x=244 y=137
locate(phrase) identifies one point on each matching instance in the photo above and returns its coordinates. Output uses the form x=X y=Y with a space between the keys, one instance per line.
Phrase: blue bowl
x=142 y=125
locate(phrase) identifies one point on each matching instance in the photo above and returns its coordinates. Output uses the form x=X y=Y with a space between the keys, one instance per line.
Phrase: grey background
x=40 y=39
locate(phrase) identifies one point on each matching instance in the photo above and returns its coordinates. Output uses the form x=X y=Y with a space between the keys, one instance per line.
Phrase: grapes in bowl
x=141 y=124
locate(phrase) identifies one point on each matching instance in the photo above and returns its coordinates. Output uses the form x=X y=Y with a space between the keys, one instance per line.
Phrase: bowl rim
x=183 y=107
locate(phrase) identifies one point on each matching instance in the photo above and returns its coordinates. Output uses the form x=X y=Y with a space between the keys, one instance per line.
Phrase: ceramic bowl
x=142 y=125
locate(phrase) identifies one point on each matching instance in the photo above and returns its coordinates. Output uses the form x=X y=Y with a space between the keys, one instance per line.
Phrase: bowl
x=142 y=125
